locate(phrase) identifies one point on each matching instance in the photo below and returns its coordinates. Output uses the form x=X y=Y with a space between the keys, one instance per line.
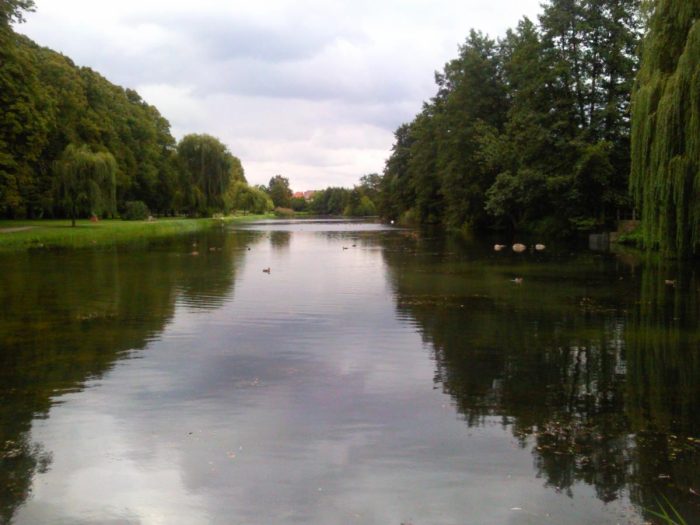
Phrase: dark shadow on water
x=593 y=364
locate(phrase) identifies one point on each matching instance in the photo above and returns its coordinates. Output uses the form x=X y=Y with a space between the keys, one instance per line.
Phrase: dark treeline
x=530 y=131
x=359 y=201
x=62 y=125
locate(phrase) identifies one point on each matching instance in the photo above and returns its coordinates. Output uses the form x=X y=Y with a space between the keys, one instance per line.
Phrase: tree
x=237 y=171
x=246 y=198
x=397 y=193
x=279 y=191
x=423 y=173
x=665 y=178
x=331 y=201
x=370 y=185
x=470 y=91
x=359 y=205
x=13 y=10
x=208 y=169
x=591 y=46
x=85 y=182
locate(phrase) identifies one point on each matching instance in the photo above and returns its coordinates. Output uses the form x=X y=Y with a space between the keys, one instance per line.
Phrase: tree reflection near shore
x=593 y=364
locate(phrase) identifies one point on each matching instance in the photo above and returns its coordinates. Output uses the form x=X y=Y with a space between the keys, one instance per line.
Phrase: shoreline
x=20 y=235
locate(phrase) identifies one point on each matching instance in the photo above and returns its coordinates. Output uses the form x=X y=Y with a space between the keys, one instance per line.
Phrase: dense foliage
x=85 y=182
x=241 y=196
x=280 y=192
x=666 y=129
x=356 y=202
x=135 y=211
x=48 y=104
x=530 y=131
x=208 y=170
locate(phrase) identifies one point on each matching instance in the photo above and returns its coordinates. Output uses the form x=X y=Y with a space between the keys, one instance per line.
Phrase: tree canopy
x=360 y=201
x=208 y=169
x=85 y=182
x=279 y=191
x=530 y=131
x=47 y=103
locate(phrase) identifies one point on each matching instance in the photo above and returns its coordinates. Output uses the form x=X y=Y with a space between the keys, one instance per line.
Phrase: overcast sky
x=310 y=89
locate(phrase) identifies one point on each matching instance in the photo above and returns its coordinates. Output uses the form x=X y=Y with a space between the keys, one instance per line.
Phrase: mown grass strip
x=22 y=235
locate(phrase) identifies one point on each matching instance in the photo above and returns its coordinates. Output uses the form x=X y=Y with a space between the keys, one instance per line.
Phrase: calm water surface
x=374 y=376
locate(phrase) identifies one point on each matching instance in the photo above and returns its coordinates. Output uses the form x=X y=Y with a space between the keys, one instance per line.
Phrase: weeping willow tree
x=665 y=178
x=86 y=182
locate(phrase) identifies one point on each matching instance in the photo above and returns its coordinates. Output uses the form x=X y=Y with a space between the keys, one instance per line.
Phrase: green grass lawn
x=19 y=234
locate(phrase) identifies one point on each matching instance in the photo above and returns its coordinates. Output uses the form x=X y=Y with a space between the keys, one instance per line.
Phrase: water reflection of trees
x=663 y=391
x=279 y=240
x=592 y=364
x=68 y=317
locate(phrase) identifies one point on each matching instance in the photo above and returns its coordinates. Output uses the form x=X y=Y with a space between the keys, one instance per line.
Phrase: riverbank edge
x=20 y=235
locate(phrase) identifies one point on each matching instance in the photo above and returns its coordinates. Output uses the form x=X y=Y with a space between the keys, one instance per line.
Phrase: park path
x=16 y=229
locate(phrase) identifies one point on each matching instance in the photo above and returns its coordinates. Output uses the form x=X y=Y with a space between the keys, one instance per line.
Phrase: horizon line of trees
x=359 y=201
x=538 y=130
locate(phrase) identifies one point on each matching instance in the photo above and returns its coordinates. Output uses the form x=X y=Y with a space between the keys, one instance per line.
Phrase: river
x=375 y=375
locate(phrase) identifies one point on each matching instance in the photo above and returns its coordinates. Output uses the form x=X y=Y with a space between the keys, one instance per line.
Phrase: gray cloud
x=229 y=37
x=309 y=88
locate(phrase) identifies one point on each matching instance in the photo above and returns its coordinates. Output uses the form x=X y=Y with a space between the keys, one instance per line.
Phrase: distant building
x=306 y=195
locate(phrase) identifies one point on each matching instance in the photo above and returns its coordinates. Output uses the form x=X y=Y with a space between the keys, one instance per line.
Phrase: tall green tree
x=470 y=92
x=245 y=198
x=208 y=170
x=279 y=191
x=85 y=182
x=397 y=193
x=370 y=185
x=665 y=177
x=592 y=46
x=422 y=170
x=524 y=152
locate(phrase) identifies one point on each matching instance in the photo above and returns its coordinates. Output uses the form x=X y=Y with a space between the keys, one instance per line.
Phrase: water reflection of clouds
x=301 y=400
x=100 y=481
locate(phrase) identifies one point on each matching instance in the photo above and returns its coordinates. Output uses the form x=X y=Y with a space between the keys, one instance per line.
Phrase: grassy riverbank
x=21 y=235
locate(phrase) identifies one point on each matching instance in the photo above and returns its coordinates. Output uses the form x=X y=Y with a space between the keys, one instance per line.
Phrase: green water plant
x=667 y=513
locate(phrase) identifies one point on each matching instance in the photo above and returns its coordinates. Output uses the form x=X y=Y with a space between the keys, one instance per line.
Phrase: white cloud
x=311 y=89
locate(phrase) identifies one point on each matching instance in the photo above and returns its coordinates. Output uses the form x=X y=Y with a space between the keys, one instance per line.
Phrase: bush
x=408 y=218
x=135 y=211
x=284 y=212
